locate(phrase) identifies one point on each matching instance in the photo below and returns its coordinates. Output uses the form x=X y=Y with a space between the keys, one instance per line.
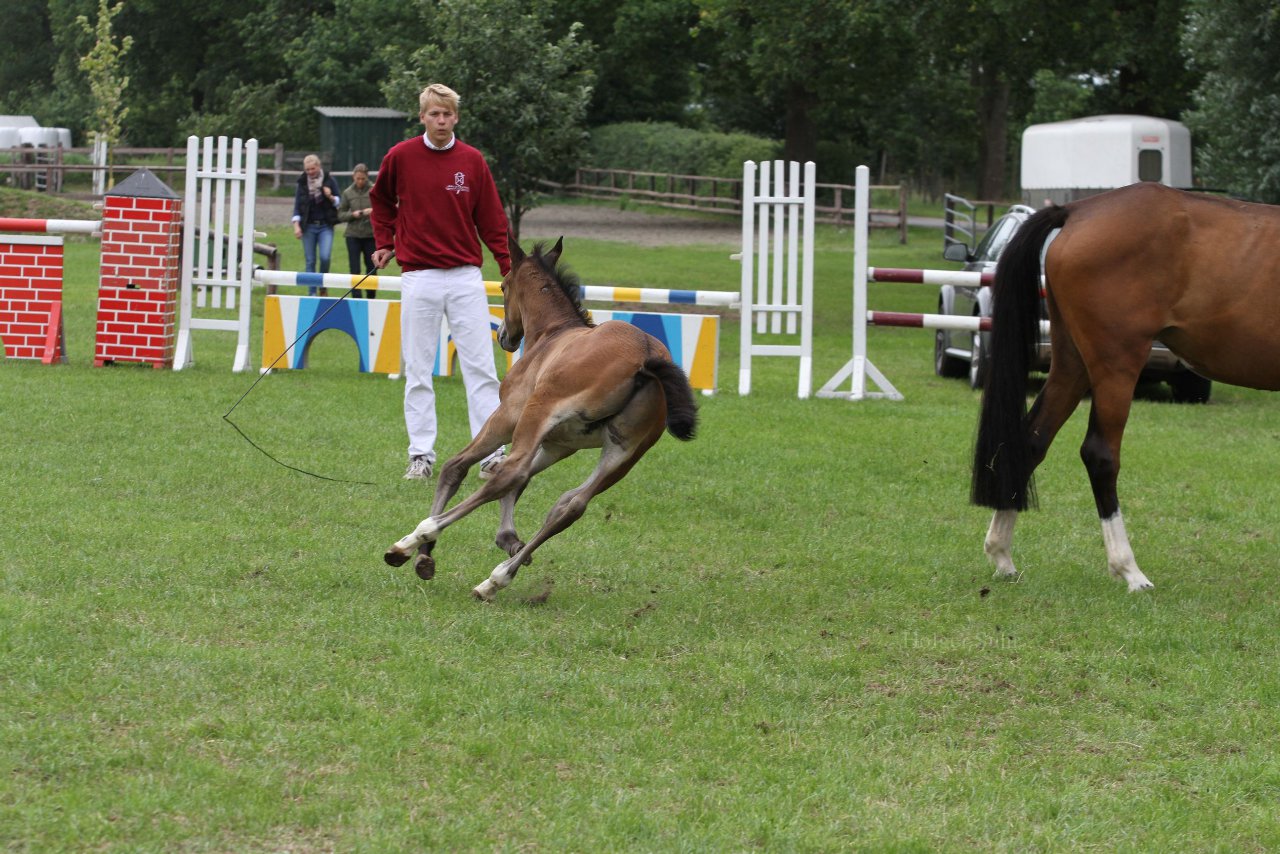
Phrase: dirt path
x=585 y=221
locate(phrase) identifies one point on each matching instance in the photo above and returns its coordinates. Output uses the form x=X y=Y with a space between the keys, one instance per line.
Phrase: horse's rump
x=1199 y=273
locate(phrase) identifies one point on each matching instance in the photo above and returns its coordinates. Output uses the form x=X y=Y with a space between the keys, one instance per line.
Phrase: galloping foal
x=576 y=386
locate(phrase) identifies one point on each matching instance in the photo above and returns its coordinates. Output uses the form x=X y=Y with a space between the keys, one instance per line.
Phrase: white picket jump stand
x=859 y=369
x=777 y=265
x=219 y=203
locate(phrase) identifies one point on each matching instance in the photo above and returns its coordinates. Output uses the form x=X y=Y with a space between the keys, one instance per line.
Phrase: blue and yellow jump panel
x=693 y=339
x=374 y=325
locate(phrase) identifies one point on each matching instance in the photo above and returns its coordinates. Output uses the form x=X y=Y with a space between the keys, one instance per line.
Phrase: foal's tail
x=682 y=413
x=1002 y=459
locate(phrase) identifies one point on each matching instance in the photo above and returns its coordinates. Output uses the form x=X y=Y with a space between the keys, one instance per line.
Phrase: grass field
x=782 y=636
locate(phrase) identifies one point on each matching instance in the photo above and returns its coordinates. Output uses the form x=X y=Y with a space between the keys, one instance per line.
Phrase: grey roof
x=18 y=122
x=361 y=113
x=143 y=184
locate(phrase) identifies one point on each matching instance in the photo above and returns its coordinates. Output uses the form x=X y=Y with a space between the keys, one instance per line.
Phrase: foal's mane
x=566 y=279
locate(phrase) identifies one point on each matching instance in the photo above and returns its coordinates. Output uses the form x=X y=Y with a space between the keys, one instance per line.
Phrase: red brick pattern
x=30 y=291
x=138 y=290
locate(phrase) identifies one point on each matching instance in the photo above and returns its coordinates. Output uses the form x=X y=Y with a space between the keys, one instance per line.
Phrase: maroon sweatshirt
x=429 y=205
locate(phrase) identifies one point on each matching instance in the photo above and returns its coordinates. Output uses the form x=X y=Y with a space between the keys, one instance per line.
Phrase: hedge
x=666 y=147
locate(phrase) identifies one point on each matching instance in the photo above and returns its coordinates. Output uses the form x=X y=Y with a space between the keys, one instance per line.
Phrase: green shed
x=351 y=135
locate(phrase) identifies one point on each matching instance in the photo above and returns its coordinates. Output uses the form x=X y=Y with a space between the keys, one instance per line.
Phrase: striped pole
x=929 y=277
x=935 y=321
x=589 y=293
x=51 y=226
x=934 y=277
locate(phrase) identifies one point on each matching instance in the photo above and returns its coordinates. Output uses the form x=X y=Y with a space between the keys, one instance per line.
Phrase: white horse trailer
x=1065 y=161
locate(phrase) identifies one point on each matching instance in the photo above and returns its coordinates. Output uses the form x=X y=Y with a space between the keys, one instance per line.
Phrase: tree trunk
x=993 y=122
x=802 y=137
x=515 y=212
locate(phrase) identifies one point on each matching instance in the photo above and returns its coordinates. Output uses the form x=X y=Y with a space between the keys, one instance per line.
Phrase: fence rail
x=48 y=168
x=723 y=195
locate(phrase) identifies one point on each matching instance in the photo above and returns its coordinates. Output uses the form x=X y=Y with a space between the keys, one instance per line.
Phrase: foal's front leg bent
x=426 y=532
x=495 y=433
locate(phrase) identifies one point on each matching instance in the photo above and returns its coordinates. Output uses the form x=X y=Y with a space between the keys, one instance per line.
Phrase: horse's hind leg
x=507 y=539
x=1062 y=393
x=567 y=510
x=619 y=454
x=1101 y=455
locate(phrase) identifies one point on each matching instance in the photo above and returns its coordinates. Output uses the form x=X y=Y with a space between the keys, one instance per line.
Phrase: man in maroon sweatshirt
x=433 y=203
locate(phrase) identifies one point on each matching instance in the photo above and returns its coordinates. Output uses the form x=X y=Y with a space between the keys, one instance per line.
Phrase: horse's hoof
x=509 y=544
x=425 y=566
x=395 y=557
x=485 y=591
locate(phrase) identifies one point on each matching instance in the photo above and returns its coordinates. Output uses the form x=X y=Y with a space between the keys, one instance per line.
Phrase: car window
x=995 y=240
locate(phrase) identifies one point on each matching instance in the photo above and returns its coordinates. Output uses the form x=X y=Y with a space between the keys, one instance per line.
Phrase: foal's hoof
x=425 y=566
x=485 y=591
x=509 y=543
x=395 y=557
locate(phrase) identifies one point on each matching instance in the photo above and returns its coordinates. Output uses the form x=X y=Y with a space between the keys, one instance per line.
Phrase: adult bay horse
x=577 y=385
x=1128 y=267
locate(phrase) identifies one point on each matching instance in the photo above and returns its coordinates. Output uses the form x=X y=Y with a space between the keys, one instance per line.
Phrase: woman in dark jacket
x=315 y=212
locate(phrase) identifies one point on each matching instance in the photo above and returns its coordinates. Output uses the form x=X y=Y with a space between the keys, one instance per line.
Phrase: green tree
x=101 y=66
x=1000 y=46
x=1237 y=105
x=257 y=68
x=645 y=56
x=26 y=52
x=1141 y=64
x=777 y=63
x=524 y=97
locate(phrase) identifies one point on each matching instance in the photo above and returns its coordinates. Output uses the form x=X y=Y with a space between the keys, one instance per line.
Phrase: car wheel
x=978 y=361
x=944 y=364
x=1190 y=387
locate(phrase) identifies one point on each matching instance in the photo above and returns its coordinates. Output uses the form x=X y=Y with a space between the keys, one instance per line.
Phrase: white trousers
x=426 y=296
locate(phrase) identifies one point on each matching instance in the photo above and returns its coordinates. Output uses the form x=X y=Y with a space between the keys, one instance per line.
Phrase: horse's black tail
x=1002 y=457
x=682 y=413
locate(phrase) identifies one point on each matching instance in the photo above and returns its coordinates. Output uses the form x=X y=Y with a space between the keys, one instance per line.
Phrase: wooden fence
x=835 y=203
x=48 y=168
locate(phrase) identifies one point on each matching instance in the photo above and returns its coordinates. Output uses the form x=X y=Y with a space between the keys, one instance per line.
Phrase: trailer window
x=1150 y=164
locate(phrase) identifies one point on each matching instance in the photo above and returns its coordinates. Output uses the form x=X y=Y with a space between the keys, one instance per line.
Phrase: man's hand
x=381 y=257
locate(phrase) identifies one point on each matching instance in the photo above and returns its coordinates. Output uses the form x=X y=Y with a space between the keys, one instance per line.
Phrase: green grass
x=781 y=636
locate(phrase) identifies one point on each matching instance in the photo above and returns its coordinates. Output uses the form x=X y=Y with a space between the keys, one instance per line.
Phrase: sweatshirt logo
x=459 y=184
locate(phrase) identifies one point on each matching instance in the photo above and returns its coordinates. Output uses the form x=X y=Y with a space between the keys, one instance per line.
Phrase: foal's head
x=536 y=292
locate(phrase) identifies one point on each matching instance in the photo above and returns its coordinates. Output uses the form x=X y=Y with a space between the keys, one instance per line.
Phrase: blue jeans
x=317 y=235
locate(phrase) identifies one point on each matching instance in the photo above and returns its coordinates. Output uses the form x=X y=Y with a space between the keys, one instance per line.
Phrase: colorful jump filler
x=374 y=325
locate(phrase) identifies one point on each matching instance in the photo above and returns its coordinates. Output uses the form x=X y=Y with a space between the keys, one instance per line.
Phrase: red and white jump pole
x=31 y=269
x=51 y=226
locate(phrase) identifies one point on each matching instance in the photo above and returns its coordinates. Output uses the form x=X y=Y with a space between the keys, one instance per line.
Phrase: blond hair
x=309 y=159
x=440 y=94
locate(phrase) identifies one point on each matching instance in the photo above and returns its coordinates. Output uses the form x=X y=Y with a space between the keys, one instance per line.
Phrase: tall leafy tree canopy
x=1237 y=106
x=935 y=92
x=524 y=93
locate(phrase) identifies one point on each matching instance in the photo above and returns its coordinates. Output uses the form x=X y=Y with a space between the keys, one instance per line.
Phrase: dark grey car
x=967 y=354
